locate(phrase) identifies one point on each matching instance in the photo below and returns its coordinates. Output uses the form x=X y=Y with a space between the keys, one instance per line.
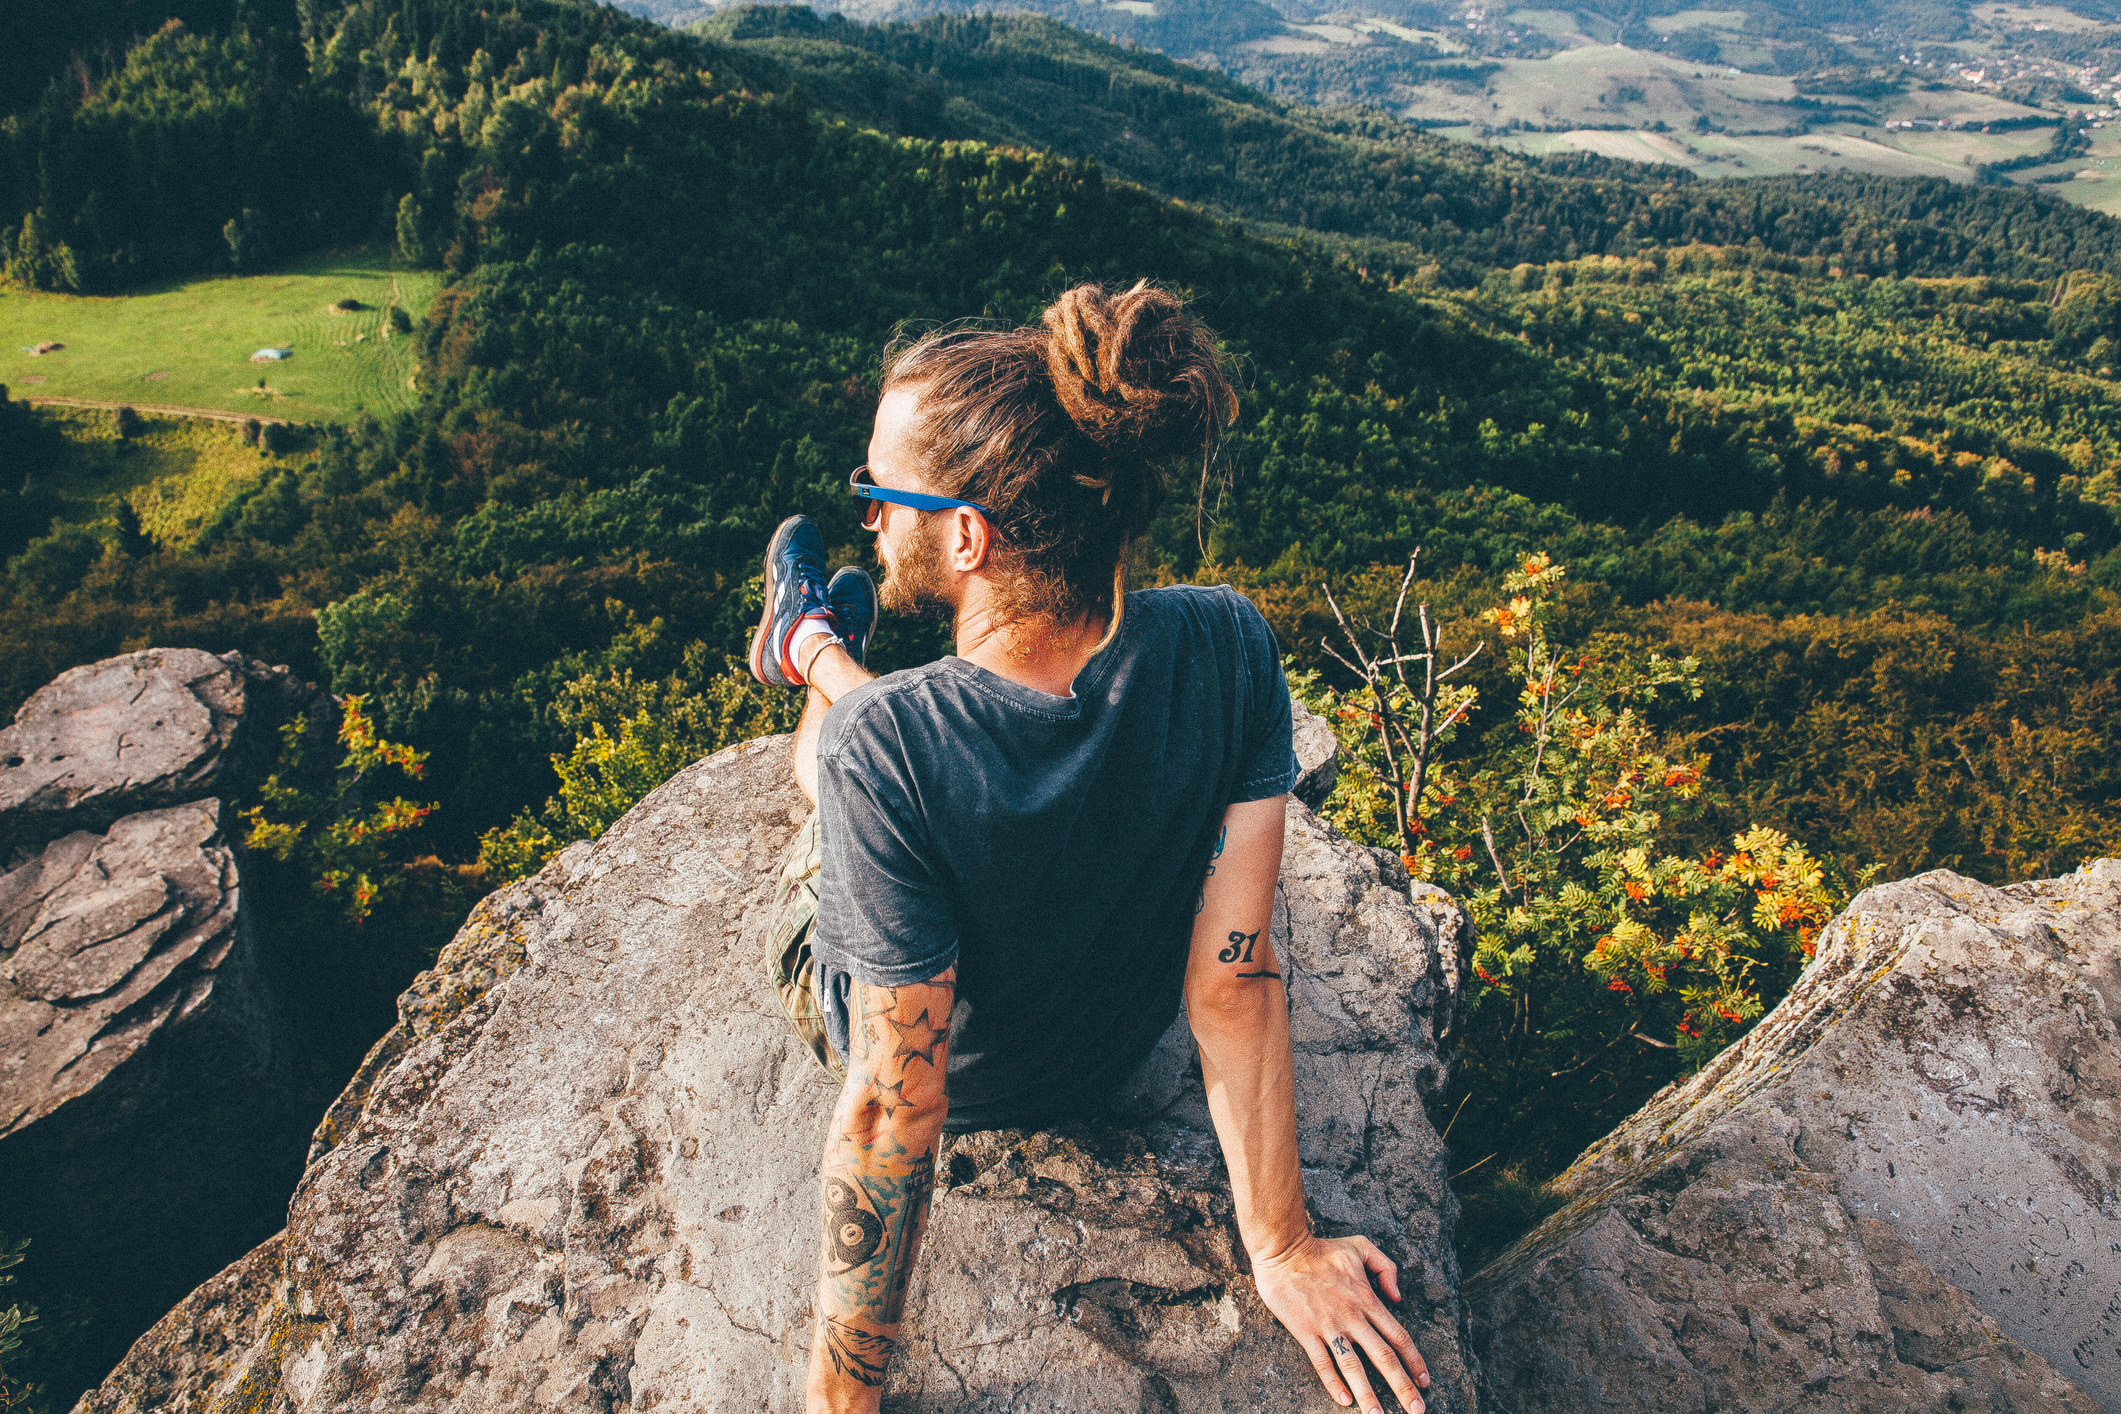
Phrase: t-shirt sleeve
x=1268 y=766
x=883 y=915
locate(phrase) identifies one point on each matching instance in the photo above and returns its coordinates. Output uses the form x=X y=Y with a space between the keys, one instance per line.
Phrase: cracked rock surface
x=103 y=940
x=1898 y=1191
x=581 y=1173
x=136 y=732
x=149 y=1128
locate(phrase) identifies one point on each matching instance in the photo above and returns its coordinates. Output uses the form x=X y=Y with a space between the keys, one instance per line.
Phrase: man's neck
x=1042 y=653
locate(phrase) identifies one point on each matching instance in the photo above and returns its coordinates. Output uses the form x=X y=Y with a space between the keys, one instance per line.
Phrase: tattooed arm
x=1238 y=1004
x=877 y=1176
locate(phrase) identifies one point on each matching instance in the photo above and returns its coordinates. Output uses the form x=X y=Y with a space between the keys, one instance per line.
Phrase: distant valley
x=2018 y=94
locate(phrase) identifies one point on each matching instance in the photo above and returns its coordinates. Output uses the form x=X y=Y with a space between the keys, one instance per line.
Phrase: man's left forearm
x=1242 y=1030
x=1237 y=1001
x=1237 y=1005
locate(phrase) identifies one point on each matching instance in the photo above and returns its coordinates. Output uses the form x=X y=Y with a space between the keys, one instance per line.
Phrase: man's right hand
x=1320 y=1289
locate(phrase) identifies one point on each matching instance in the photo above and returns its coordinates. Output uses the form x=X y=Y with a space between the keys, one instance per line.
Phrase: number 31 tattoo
x=1240 y=950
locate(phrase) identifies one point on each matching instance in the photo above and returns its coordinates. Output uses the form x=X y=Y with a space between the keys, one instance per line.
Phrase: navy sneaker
x=852 y=595
x=795 y=590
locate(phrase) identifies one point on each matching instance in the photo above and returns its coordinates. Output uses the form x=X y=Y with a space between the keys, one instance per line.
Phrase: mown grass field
x=189 y=344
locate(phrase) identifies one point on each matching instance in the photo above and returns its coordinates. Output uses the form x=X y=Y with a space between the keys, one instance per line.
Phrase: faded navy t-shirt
x=1052 y=848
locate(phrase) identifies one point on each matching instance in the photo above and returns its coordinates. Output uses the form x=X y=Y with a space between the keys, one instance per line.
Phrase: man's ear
x=970 y=540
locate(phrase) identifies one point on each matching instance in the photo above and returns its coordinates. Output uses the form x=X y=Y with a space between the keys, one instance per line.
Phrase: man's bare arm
x=878 y=1176
x=1236 y=998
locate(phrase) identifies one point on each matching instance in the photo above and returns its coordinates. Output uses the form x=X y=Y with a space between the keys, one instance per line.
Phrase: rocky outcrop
x=1898 y=1191
x=110 y=938
x=1317 y=758
x=581 y=1174
x=149 y=1121
x=159 y=727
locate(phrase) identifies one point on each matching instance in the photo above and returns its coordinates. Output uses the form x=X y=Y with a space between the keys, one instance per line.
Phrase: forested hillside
x=1852 y=445
x=1192 y=133
x=1945 y=89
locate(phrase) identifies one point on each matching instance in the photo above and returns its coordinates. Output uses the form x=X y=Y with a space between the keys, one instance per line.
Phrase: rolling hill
x=2011 y=93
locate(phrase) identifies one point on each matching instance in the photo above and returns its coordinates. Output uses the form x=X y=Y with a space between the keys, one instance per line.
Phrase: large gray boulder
x=150 y=1117
x=581 y=1174
x=147 y=1078
x=105 y=939
x=137 y=732
x=1898 y=1191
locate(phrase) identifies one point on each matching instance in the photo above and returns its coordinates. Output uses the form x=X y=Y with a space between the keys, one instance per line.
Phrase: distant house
x=271 y=355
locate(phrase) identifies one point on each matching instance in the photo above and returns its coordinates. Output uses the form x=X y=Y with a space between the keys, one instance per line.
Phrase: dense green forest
x=1849 y=445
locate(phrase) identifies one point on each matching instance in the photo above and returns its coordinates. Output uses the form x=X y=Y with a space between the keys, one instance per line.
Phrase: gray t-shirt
x=1051 y=847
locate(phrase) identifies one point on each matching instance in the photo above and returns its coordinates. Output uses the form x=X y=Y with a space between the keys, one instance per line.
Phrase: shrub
x=14 y=1393
x=631 y=736
x=1603 y=961
x=53 y=566
x=352 y=851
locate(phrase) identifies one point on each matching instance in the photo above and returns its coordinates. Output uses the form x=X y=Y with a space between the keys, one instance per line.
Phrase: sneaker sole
x=772 y=596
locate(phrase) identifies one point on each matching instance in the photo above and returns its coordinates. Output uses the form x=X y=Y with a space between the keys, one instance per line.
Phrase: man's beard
x=917 y=581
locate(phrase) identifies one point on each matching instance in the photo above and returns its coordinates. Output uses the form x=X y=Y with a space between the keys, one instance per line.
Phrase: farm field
x=2093 y=179
x=1607 y=85
x=1951 y=155
x=189 y=344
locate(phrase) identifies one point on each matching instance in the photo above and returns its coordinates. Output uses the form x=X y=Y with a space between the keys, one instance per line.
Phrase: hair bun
x=1136 y=374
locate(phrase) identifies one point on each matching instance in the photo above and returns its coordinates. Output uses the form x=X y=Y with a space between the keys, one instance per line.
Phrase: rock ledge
x=581 y=1173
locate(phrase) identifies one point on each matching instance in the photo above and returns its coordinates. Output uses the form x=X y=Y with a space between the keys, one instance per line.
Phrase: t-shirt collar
x=1088 y=683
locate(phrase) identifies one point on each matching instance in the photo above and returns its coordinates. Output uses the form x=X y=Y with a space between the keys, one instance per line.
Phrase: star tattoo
x=891 y=1098
x=919 y=1037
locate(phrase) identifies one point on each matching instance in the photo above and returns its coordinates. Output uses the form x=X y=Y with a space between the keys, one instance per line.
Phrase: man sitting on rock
x=1025 y=855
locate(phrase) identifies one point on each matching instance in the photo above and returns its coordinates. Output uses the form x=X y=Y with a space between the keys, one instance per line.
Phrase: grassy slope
x=176 y=472
x=189 y=344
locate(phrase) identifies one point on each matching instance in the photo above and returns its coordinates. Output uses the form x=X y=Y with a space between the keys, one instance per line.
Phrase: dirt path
x=163 y=410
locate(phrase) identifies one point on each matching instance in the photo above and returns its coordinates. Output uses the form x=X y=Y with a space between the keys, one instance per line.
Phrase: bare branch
x=1342 y=661
x=1446 y=673
x=1369 y=668
x=1502 y=875
x=1405 y=580
x=1624 y=1035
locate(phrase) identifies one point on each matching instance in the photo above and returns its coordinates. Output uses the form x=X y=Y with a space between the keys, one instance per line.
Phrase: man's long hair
x=1065 y=431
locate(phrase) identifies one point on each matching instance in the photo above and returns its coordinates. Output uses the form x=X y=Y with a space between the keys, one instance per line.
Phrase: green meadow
x=189 y=344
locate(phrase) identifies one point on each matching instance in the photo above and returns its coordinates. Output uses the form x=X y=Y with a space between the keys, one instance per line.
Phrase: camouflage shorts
x=788 y=946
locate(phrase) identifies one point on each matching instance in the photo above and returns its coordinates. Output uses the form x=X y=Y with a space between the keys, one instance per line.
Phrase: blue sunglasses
x=862 y=484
